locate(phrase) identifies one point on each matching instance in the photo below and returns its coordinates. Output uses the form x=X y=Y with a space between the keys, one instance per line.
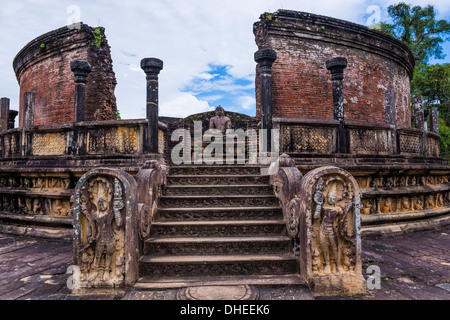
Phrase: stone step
x=218 y=246
x=219 y=190
x=150 y=283
x=266 y=228
x=217 y=180
x=214 y=170
x=39 y=220
x=219 y=214
x=36 y=231
x=217 y=201
x=180 y=266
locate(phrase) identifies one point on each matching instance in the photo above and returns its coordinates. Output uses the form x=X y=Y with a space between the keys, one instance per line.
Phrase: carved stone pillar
x=29 y=101
x=330 y=231
x=4 y=114
x=106 y=247
x=434 y=120
x=81 y=70
x=12 y=118
x=391 y=119
x=419 y=121
x=337 y=66
x=265 y=59
x=152 y=67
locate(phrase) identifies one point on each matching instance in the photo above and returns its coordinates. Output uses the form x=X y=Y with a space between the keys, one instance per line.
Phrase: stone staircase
x=218 y=225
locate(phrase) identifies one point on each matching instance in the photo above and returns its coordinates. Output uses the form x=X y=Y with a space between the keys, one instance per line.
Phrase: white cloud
x=247 y=102
x=189 y=36
x=183 y=105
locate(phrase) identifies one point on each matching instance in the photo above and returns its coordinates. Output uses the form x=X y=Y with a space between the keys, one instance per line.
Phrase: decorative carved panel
x=367 y=141
x=330 y=243
x=307 y=139
x=49 y=144
x=105 y=205
x=410 y=143
x=433 y=147
x=122 y=140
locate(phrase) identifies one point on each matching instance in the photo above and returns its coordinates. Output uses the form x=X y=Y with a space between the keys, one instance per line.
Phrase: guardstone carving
x=330 y=240
x=104 y=226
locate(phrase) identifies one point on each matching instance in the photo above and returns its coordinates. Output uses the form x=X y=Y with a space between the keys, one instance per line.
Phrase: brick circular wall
x=43 y=67
x=302 y=86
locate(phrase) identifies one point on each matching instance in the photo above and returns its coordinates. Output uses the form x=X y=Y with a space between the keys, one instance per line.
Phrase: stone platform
x=413 y=267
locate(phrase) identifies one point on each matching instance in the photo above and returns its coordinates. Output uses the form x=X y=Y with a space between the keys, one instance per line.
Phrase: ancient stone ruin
x=332 y=156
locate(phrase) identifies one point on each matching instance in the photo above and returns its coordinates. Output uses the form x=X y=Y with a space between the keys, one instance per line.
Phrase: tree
x=418 y=28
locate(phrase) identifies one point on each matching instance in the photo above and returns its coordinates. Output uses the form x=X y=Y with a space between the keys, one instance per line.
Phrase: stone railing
x=121 y=137
x=303 y=136
x=370 y=139
x=11 y=143
x=320 y=137
x=410 y=141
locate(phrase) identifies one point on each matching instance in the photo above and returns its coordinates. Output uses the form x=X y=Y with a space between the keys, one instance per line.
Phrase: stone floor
x=413 y=267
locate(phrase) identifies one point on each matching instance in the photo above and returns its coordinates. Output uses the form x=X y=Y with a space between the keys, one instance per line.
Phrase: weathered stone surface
x=4 y=114
x=235 y=293
x=301 y=86
x=150 y=179
x=330 y=231
x=35 y=67
x=220 y=121
x=152 y=67
x=105 y=226
x=286 y=183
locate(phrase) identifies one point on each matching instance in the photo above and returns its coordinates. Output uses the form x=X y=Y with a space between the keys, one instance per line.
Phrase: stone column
x=419 y=113
x=265 y=59
x=152 y=67
x=391 y=119
x=81 y=70
x=4 y=114
x=29 y=100
x=12 y=118
x=420 y=121
x=337 y=66
x=434 y=120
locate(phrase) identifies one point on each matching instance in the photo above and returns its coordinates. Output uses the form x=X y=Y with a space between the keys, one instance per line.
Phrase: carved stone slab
x=105 y=229
x=330 y=231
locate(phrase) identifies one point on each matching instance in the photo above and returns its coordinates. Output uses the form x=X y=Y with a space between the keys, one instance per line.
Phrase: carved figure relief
x=418 y=203
x=330 y=231
x=333 y=233
x=102 y=257
x=388 y=206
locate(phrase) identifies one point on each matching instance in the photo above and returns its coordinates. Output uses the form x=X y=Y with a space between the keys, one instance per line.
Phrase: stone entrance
x=217 y=221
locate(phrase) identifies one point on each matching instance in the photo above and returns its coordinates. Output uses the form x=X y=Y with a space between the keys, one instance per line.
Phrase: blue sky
x=207 y=45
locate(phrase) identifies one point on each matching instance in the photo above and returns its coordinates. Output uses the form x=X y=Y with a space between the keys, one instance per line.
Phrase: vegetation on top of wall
x=268 y=16
x=99 y=37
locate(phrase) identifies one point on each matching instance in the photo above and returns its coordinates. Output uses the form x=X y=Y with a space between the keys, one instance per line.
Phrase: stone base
x=242 y=292
x=337 y=284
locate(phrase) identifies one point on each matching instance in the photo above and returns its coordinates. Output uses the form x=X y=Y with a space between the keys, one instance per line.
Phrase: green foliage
x=98 y=37
x=118 y=117
x=444 y=132
x=42 y=45
x=433 y=83
x=268 y=16
x=418 y=28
